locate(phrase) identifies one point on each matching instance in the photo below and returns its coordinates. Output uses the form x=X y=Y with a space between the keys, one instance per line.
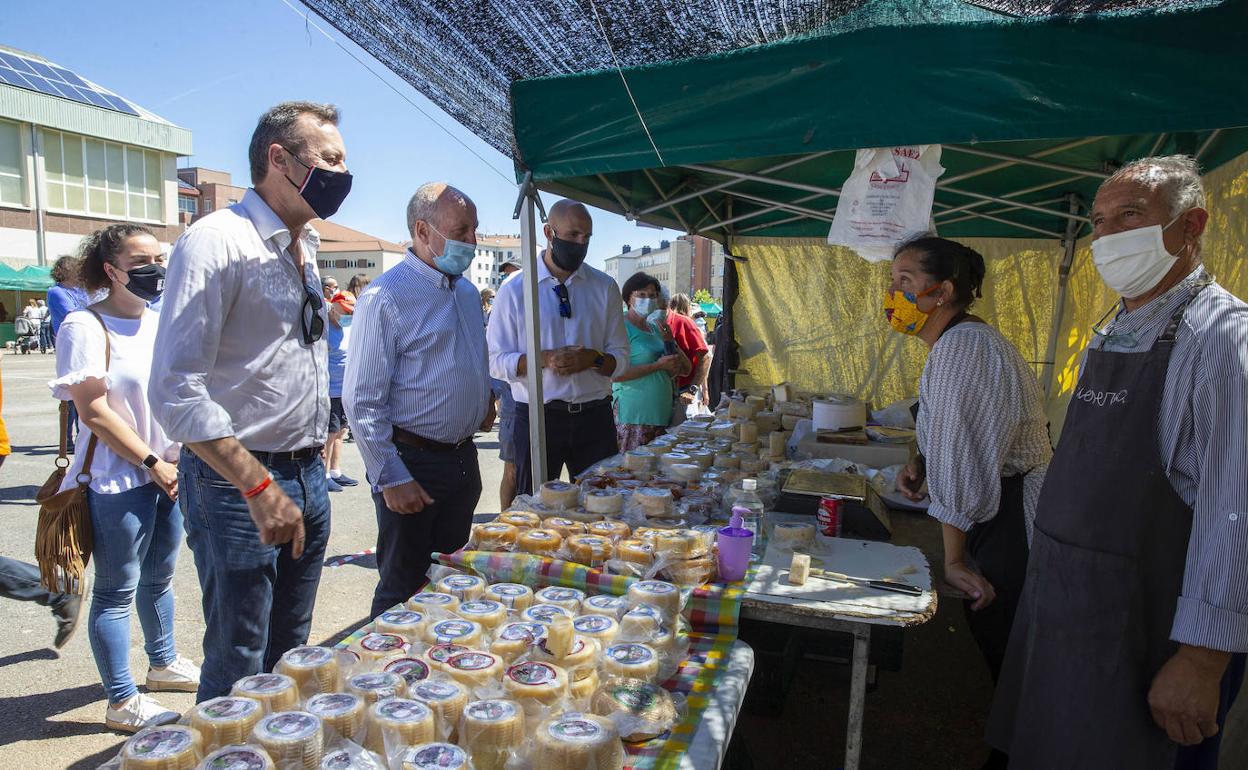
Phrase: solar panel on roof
x=55 y=81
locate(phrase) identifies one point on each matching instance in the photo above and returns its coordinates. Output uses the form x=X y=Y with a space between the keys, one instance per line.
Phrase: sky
x=214 y=66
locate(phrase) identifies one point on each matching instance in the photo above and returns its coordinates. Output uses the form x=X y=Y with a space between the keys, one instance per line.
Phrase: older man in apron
x=1126 y=650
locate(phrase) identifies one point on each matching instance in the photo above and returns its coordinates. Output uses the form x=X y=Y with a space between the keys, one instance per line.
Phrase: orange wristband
x=257 y=489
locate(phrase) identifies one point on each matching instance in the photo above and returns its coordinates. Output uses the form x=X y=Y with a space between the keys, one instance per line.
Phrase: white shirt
x=230 y=358
x=418 y=361
x=80 y=357
x=597 y=322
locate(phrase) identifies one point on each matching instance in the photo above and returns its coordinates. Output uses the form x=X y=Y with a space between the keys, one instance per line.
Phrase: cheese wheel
x=583 y=689
x=344 y=759
x=564 y=526
x=558 y=639
x=690 y=572
x=536 y=681
x=375 y=647
x=616 y=530
x=754 y=467
x=544 y=613
x=703 y=458
x=601 y=628
x=631 y=660
x=799 y=569
x=171 y=747
x=674 y=458
x=343 y=712
x=376 y=685
x=568 y=598
x=707 y=533
x=660 y=449
x=559 y=494
x=454 y=631
x=514 y=639
x=574 y=741
x=679 y=544
x=474 y=668
x=490 y=730
x=654 y=502
x=767 y=421
x=749 y=432
x=314 y=668
x=727 y=461
x=428 y=601
x=604 y=501
x=793 y=535
x=489 y=613
x=226 y=720
x=579 y=660
x=292 y=738
x=409 y=624
x=648 y=709
x=399 y=722
x=434 y=756
x=412 y=670
x=635 y=552
x=276 y=692
x=777 y=443
x=663 y=641
x=511 y=595
x=462 y=587
x=640 y=460
x=520 y=519
x=640 y=623
x=739 y=409
x=591 y=550
x=543 y=542
x=789 y=421
x=244 y=758
x=686 y=472
x=495 y=536
x=657 y=593
x=446 y=697
x=603 y=604
x=437 y=655
x=579 y=515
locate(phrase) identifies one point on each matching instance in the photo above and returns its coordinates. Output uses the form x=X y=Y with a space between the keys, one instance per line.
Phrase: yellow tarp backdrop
x=811 y=314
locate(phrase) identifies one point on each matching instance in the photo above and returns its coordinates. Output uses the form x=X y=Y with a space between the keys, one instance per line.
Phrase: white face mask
x=643 y=306
x=1133 y=262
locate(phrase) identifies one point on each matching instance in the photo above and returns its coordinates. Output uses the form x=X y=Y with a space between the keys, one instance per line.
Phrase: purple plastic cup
x=734 y=552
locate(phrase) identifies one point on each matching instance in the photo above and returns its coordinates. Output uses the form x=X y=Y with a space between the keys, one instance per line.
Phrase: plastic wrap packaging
x=437 y=655
x=225 y=720
x=432 y=756
x=276 y=692
x=435 y=604
x=474 y=668
x=577 y=741
x=568 y=598
x=494 y=536
x=540 y=542
x=640 y=710
x=601 y=628
x=294 y=739
x=409 y=624
x=398 y=722
x=376 y=685
x=412 y=668
x=492 y=731
x=533 y=683
x=344 y=713
x=446 y=698
x=461 y=586
x=455 y=631
x=521 y=520
x=604 y=604
x=240 y=756
x=349 y=755
x=171 y=747
x=559 y=495
x=373 y=648
x=314 y=669
x=544 y=613
x=514 y=596
x=513 y=639
x=489 y=613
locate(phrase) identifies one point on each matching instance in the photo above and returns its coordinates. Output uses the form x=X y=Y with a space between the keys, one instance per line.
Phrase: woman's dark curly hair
x=104 y=245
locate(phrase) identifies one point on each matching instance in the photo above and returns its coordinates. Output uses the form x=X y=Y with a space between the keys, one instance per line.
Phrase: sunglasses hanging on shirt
x=565 y=305
x=312 y=324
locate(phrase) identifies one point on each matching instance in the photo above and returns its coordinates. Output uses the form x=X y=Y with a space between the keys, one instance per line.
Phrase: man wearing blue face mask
x=417 y=387
x=1127 y=646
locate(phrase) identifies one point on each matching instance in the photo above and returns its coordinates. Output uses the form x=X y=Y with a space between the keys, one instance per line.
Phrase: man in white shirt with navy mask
x=240 y=377
x=584 y=343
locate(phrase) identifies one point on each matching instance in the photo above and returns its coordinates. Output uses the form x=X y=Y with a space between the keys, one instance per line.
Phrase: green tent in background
x=32 y=278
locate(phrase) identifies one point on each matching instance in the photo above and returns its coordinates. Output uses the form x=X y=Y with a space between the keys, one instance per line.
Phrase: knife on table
x=881 y=585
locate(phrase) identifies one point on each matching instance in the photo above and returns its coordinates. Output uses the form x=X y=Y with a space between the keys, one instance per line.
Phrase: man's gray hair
x=280 y=125
x=424 y=205
x=1176 y=176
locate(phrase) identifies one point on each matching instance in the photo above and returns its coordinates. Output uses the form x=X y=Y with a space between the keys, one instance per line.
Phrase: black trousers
x=576 y=440
x=405 y=540
x=999 y=549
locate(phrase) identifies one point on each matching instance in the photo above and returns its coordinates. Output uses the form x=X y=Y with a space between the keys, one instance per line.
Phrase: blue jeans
x=506 y=420
x=257 y=598
x=137 y=535
x=20 y=580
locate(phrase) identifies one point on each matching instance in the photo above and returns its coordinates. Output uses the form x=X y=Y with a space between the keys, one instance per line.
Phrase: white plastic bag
x=887 y=199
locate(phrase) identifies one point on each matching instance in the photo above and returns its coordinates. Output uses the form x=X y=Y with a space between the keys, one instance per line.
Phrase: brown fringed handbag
x=64 y=539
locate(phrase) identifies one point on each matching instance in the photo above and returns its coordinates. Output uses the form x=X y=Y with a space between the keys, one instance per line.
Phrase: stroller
x=27 y=332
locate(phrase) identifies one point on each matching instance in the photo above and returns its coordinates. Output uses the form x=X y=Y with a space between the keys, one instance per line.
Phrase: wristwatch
x=599 y=360
x=150 y=461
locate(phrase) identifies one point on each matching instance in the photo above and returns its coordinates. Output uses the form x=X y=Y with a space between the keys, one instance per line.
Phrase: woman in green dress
x=643 y=391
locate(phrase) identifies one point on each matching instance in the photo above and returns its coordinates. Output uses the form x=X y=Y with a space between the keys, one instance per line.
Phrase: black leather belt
x=296 y=455
x=401 y=436
x=577 y=408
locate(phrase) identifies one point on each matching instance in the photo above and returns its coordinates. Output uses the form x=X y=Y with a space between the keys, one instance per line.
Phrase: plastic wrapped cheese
x=641 y=710
x=559 y=636
x=343 y=712
x=349 y=758
x=544 y=613
x=591 y=550
x=536 y=681
x=455 y=631
x=610 y=528
x=412 y=669
x=514 y=639
x=581 y=690
x=579 y=660
x=399 y=722
x=604 y=604
x=226 y=720
x=564 y=526
x=409 y=624
x=292 y=738
x=437 y=655
x=640 y=623
x=560 y=494
x=776 y=443
x=635 y=552
x=240 y=757
x=171 y=747
x=462 y=587
x=512 y=595
x=495 y=536
x=642 y=460
x=601 y=628
x=491 y=730
x=276 y=692
x=433 y=601
x=434 y=756
x=690 y=572
x=767 y=421
x=604 y=501
x=446 y=697
x=543 y=542
x=631 y=660
x=727 y=461
x=686 y=472
x=679 y=544
x=474 y=668
x=489 y=613
x=575 y=741
x=376 y=685
x=312 y=668
x=654 y=502
x=656 y=593
x=793 y=535
x=749 y=432
x=376 y=647
x=703 y=458
x=520 y=519
x=568 y=598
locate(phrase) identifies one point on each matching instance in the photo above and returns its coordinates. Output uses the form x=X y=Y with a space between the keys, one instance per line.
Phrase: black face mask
x=147 y=282
x=324 y=190
x=567 y=255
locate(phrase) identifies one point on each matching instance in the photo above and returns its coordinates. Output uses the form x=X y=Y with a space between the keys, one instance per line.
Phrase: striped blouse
x=1203 y=433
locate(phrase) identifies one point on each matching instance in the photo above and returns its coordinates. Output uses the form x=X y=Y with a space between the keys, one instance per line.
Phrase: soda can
x=829 y=516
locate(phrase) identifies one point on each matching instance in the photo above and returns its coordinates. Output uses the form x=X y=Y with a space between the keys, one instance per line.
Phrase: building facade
x=74 y=157
x=212 y=190
x=346 y=252
x=493 y=251
x=681 y=266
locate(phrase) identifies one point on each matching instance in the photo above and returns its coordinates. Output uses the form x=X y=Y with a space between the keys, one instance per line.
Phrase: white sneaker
x=137 y=713
x=179 y=676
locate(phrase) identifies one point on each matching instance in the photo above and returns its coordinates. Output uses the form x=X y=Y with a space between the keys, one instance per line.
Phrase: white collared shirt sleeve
x=617 y=333
x=366 y=389
x=200 y=289
x=505 y=332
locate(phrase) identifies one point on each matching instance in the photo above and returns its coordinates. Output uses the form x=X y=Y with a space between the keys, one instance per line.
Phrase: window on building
x=231 y=201
x=12 y=161
x=188 y=205
x=97 y=177
x=207 y=206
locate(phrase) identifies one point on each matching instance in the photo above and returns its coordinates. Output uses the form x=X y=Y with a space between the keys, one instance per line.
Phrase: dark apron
x=1106 y=569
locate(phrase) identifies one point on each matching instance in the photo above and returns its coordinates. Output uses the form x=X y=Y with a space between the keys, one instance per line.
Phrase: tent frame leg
x=1059 y=306
x=527 y=203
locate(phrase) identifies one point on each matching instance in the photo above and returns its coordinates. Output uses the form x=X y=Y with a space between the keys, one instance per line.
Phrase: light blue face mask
x=643 y=306
x=344 y=320
x=655 y=318
x=456 y=256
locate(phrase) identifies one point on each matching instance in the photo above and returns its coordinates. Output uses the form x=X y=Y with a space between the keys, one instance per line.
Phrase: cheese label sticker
x=382 y=642
x=471 y=661
x=266 y=683
x=228 y=708
x=480 y=607
x=242 y=758
x=431 y=597
x=532 y=673
x=657 y=586
x=593 y=624
x=593 y=541
x=411 y=669
x=453 y=629
x=514 y=632
x=633 y=697
x=435 y=757
x=540 y=534
x=436 y=690
x=572 y=728
x=403 y=710
x=332 y=704
x=544 y=613
x=159 y=744
x=630 y=653
x=576 y=648
x=377 y=681
x=605 y=602
x=441 y=653
x=647 y=610
x=290 y=724
x=559 y=594
x=462 y=581
x=504 y=527
x=508 y=589
x=491 y=710
x=308 y=656
x=338 y=760
x=401 y=617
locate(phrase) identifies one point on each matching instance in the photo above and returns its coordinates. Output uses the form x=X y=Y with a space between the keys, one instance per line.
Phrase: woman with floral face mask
x=643 y=391
x=982 y=433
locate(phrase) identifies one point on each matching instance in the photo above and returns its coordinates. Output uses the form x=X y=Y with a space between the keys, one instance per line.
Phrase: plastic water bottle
x=748 y=498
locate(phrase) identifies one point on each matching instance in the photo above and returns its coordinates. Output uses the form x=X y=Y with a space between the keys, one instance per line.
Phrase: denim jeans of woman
x=137 y=536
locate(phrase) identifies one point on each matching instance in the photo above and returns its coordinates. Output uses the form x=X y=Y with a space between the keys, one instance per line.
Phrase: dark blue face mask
x=323 y=189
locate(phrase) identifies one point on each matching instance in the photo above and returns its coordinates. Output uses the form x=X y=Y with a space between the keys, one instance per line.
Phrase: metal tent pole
x=525 y=211
x=1059 y=307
